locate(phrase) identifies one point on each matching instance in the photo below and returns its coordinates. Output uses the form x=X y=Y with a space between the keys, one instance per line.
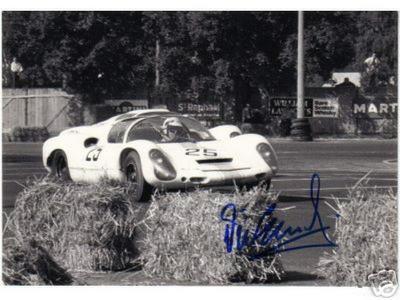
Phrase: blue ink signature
x=236 y=236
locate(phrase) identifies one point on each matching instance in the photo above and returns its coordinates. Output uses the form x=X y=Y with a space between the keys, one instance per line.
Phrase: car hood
x=206 y=155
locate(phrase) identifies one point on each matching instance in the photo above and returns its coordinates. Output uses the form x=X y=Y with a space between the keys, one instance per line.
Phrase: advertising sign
x=203 y=111
x=123 y=106
x=375 y=108
x=288 y=105
x=326 y=108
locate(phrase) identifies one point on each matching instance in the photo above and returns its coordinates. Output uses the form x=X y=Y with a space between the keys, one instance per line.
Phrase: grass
x=366 y=234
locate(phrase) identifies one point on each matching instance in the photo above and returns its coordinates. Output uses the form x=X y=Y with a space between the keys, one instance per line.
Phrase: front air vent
x=214 y=161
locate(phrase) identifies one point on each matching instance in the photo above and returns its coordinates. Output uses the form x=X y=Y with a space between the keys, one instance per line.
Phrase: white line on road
x=24 y=167
x=22 y=173
x=337 y=188
x=334 y=179
x=14 y=181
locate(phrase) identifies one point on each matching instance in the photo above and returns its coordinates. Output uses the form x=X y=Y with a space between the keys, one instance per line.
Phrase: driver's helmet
x=173 y=124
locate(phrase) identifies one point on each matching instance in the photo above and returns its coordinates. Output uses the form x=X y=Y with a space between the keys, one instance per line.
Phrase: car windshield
x=169 y=129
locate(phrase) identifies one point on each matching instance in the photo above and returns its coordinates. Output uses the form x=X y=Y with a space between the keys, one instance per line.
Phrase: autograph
x=239 y=238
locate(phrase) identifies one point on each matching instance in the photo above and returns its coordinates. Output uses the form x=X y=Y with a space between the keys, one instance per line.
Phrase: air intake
x=214 y=161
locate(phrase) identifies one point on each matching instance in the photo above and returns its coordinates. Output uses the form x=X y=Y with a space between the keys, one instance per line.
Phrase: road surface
x=339 y=163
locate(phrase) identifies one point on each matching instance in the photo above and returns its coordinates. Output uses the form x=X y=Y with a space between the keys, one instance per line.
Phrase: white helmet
x=173 y=122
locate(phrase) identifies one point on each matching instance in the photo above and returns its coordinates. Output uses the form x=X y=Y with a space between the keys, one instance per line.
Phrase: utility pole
x=157 y=64
x=301 y=129
x=300 y=66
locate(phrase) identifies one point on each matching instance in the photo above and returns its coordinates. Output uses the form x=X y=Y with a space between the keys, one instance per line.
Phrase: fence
x=35 y=107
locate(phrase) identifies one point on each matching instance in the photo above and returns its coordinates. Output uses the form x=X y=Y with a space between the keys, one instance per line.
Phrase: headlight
x=163 y=168
x=267 y=153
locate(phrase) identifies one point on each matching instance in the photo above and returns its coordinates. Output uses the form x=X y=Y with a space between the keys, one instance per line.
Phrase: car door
x=92 y=161
x=100 y=157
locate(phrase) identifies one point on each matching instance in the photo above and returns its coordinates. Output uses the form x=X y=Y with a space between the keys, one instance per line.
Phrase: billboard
x=203 y=111
x=326 y=108
x=123 y=106
x=279 y=106
x=375 y=108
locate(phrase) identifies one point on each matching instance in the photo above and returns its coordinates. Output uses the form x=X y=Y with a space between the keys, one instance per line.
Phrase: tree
x=343 y=40
x=377 y=33
x=230 y=57
x=96 y=54
x=219 y=55
x=329 y=45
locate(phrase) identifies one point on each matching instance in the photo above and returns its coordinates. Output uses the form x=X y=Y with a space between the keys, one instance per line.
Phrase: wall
x=347 y=123
x=35 y=107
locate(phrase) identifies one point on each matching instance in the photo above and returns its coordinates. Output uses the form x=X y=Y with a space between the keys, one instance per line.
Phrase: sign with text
x=287 y=106
x=326 y=108
x=203 y=111
x=123 y=106
x=375 y=108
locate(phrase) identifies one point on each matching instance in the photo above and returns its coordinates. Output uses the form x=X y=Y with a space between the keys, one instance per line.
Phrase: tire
x=302 y=138
x=59 y=166
x=133 y=172
x=300 y=126
x=300 y=132
x=263 y=184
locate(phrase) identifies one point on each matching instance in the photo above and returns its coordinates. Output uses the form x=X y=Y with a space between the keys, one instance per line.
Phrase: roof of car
x=135 y=114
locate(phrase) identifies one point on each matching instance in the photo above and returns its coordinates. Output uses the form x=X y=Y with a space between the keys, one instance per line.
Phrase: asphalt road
x=339 y=163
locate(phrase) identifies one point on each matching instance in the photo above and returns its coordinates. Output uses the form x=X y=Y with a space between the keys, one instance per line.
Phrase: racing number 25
x=93 y=155
x=196 y=152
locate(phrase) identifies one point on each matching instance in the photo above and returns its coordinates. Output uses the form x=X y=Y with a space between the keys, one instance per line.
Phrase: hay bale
x=184 y=239
x=83 y=226
x=366 y=235
x=30 y=264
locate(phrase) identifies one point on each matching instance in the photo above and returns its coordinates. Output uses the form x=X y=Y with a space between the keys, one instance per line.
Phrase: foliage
x=379 y=35
x=29 y=134
x=75 y=111
x=231 y=57
x=367 y=238
x=96 y=54
x=337 y=41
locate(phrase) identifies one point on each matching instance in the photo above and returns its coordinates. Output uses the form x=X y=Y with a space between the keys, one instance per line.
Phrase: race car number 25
x=197 y=152
x=93 y=155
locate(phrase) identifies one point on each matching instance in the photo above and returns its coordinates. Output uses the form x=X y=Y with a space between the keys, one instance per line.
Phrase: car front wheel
x=132 y=169
x=59 y=166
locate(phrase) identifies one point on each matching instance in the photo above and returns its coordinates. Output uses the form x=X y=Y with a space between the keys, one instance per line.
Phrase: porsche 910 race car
x=159 y=149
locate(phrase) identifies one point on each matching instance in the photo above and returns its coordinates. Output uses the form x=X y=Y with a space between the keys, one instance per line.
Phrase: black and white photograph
x=200 y=148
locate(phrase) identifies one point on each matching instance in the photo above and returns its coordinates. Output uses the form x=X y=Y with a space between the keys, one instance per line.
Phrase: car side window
x=144 y=131
x=117 y=132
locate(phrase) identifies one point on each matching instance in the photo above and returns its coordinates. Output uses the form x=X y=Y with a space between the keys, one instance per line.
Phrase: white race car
x=156 y=148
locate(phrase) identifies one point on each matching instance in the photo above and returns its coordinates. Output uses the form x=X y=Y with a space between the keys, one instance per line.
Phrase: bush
x=75 y=110
x=389 y=129
x=29 y=134
x=82 y=226
x=366 y=235
x=184 y=239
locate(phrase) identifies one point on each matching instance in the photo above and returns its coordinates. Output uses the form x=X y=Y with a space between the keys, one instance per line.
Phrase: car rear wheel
x=59 y=166
x=132 y=169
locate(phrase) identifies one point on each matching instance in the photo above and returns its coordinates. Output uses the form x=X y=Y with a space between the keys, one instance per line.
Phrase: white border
x=200 y=5
x=198 y=292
